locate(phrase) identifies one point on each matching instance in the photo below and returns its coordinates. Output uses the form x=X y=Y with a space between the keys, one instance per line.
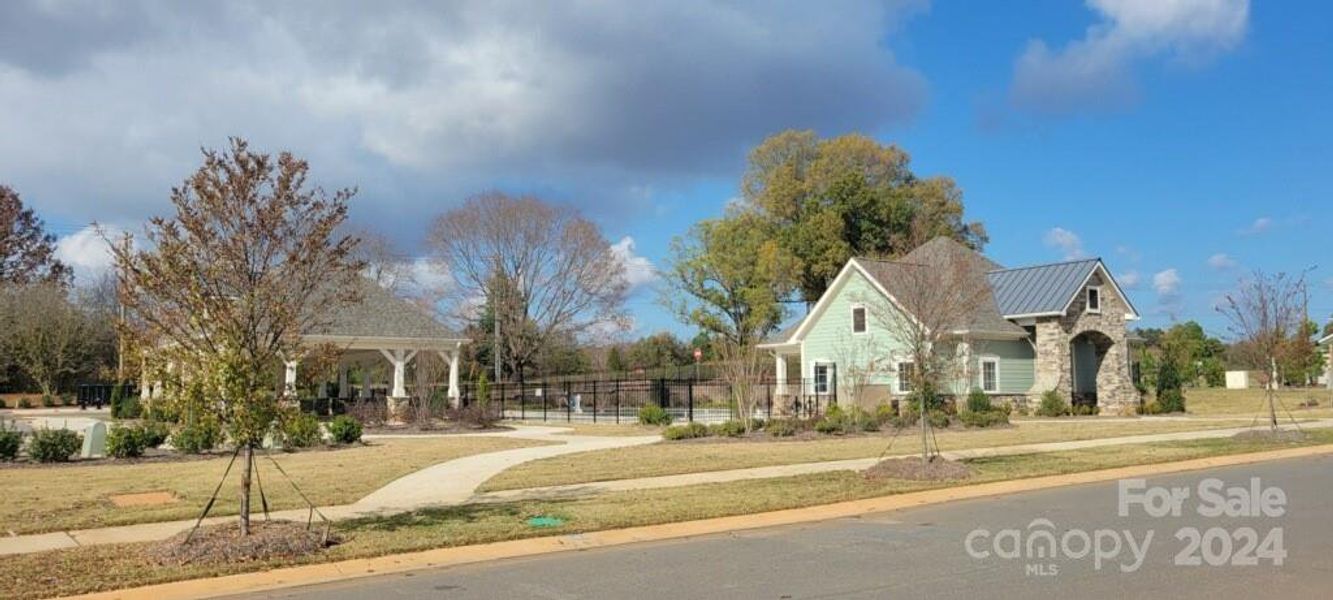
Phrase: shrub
x=126 y=442
x=939 y=419
x=25 y=403
x=885 y=413
x=731 y=428
x=300 y=430
x=1084 y=410
x=155 y=433
x=124 y=406
x=685 y=432
x=10 y=441
x=652 y=414
x=48 y=401
x=782 y=427
x=197 y=437
x=68 y=399
x=983 y=419
x=345 y=430
x=54 y=445
x=1052 y=405
x=978 y=402
x=1171 y=401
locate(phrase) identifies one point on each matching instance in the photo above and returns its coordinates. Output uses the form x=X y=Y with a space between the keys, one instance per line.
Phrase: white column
x=399 y=359
x=780 y=372
x=289 y=377
x=452 y=357
x=145 y=387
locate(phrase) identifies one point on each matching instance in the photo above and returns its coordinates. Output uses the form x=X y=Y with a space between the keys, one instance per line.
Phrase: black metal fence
x=100 y=394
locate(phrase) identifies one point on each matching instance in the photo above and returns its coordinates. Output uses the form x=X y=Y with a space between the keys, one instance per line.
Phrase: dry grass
x=1249 y=403
x=78 y=497
x=606 y=429
x=695 y=457
x=94 y=568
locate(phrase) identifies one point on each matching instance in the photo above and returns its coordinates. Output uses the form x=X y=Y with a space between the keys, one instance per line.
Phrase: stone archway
x=1091 y=374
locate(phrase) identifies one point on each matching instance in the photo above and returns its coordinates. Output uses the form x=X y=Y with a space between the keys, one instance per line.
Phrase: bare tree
x=861 y=360
x=742 y=368
x=49 y=337
x=546 y=272
x=225 y=288
x=933 y=309
x=1265 y=313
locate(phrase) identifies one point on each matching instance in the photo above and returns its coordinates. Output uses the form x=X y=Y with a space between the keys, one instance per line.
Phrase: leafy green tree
x=659 y=350
x=615 y=360
x=728 y=277
x=828 y=200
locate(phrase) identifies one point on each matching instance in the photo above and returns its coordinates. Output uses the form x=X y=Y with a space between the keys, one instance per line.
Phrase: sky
x=1185 y=142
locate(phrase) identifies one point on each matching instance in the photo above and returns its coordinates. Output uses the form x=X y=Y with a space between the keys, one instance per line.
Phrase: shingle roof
x=781 y=337
x=382 y=314
x=1039 y=289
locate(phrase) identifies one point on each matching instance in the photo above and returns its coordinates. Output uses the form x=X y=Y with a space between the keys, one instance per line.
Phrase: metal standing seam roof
x=1039 y=289
x=382 y=314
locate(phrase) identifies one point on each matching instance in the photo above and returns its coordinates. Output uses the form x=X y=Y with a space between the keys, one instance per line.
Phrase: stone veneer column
x=1052 y=368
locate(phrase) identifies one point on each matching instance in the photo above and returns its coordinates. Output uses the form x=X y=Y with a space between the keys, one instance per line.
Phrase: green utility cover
x=545 y=522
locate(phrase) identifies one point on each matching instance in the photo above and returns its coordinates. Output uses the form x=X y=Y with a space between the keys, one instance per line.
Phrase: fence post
x=689 y=411
x=502 y=399
x=617 y=401
x=768 y=392
x=542 y=389
x=594 y=401
x=522 y=400
x=569 y=403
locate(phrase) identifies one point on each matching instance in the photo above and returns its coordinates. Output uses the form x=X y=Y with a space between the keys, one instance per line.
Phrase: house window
x=822 y=378
x=990 y=375
x=1094 y=300
x=906 y=371
x=858 y=319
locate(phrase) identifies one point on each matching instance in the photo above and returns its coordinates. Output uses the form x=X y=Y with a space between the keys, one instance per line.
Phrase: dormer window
x=1094 y=300
x=858 y=319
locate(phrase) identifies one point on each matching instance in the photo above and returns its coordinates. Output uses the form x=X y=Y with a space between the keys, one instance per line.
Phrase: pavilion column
x=289 y=377
x=145 y=386
x=452 y=357
x=780 y=372
x=398 y=395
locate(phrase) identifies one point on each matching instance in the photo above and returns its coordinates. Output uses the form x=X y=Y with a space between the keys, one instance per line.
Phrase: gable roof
x=986 y=317
x=381 y=314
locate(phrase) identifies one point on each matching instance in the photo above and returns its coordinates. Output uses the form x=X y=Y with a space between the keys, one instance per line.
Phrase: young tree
x=831 y=199
x=547 y=272
x=226 y=288
x=27 y=251
x=728 y=277
x=742 y=368
x=935 y=304
x=1264 y=312
x=657 y=351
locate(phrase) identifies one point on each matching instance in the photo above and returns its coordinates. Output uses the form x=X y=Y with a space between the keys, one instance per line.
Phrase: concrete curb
x=463 y=555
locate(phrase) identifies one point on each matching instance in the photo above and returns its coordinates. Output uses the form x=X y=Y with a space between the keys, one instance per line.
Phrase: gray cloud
x=421 y=103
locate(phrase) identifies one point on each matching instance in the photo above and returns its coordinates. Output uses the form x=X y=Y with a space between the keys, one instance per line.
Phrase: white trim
x=981 y=373
x=1034 y=315
x=865 y=318
x=347 y=342
x=838 y=281
x=1326 y=339
x=898 y=376
x=828 y=374
x=1087 y=299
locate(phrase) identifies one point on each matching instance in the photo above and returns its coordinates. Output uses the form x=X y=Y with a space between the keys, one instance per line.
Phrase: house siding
x=1017 y=364
x=830 y=338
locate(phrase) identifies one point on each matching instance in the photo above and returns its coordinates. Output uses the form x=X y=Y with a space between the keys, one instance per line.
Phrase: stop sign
x=698 y=354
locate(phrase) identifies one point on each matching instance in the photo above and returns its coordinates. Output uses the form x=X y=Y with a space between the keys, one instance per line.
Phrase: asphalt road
x=924 y=553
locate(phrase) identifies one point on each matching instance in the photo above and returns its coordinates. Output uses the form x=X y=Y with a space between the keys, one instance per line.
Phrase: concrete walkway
x=455 y=482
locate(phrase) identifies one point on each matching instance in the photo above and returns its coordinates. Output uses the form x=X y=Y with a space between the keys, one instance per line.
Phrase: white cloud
x=1222 y=262
x=86 y=253
x=1095 y=72
x=639 y=270
x=1066 y=241
x=1130 y=279
x=1166 y=283
x=1260 y=225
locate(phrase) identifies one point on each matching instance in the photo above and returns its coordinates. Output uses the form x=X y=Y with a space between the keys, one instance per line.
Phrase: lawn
x=94 y=568
x=41 y=499
x=603 y=429
x=1248 y=403
x=694 y=457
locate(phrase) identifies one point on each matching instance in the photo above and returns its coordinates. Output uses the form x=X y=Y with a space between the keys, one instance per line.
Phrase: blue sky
x=1184 y=143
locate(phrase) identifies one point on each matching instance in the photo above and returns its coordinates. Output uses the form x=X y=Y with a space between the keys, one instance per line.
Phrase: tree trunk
x=249 y=453
x=925 y=445
x=1272 y=394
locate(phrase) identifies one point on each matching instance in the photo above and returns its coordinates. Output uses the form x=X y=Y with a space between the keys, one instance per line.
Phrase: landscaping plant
x=685 y=432
x=1052 y=405
x=10 y=441
x=300 y=430
x=126 y=442
x=652 y=414
x=203 y=435
x=344 y=430
x=54 y=445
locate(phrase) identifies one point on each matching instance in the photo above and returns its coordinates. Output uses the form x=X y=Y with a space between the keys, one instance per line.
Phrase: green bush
x=126 y=442
x=782 y=427
x=300 y=430
x=48 y=401
x=68 y=399
x=652 y=414
x=978 y=402
x=10 y=441
x=345 y=430
x=25 y=402
x=124 y=406
x=685 y=432
x=155 y=433
x=1084 y=410
x=731 y=428
x=983 y=419
x=54 y=445
x=198 y=437
x=885 y=413
x=939 y=419
x=1171 y=401
x=1052 y=405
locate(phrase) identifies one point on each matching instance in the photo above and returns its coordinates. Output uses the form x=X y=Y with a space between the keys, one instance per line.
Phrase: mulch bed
x=223 y=544
x=937 y=469
x=412 y=429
